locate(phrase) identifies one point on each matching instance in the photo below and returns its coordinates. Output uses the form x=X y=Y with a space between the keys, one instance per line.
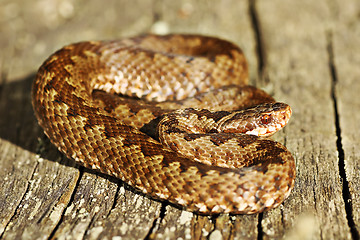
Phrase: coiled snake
x=114 y=106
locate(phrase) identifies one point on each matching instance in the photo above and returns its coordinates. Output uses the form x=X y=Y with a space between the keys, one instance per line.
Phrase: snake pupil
x=266 y=119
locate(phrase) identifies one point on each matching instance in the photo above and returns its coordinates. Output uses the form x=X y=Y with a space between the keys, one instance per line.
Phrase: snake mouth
x=265 y=131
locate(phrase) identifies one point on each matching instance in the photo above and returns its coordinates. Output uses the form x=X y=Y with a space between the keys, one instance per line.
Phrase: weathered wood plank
x=101 y=210
x=14 y=174
x=297 y=66
x=345 y=36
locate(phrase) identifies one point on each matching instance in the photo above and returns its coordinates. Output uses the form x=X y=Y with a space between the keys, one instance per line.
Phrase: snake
x=172 y=116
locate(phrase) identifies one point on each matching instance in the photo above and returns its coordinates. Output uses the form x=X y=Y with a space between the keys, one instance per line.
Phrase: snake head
x=263 y=120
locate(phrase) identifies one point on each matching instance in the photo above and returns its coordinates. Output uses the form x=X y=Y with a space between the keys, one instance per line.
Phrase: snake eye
x=266 y=119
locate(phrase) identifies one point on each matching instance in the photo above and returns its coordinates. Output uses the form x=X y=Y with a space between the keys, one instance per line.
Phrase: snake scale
x=171 y=116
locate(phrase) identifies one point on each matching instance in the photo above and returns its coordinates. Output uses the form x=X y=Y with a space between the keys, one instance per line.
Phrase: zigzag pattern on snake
x=172 y=116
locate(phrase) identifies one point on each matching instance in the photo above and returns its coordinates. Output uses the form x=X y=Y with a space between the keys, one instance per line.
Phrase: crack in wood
x=260 y=53
x=259 y=227
x=120 y=185
x=157 y=11
x=14 y=213
x=156 y=222
x=71 y=200
x=341 y=154
x=213 y=220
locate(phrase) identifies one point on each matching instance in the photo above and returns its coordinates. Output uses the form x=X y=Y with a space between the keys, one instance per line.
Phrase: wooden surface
x=305 y=53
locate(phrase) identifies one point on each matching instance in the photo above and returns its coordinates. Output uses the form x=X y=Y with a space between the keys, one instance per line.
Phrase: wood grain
x=345 y=39
x=304 y=53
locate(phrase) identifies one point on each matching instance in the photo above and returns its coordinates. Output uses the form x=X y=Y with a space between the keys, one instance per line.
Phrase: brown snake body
x=200 y=159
